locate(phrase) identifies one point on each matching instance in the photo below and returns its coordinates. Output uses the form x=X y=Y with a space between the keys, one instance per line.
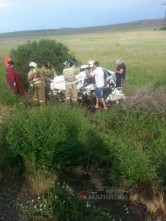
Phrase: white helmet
x=32 y=64
x=90 y=63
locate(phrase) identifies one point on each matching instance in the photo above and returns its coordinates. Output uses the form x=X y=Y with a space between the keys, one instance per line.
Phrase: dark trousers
x=119 y=82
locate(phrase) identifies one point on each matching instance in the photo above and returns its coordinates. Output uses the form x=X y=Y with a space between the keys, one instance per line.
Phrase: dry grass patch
x=40 y=182
x=155 y=207
x=147 y=98
x=134 y=197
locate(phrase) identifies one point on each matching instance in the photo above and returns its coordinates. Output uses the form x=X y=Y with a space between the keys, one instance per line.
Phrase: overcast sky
x=19 y=15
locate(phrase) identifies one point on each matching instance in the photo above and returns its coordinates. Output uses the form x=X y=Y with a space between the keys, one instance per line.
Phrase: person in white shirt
x=98 y=73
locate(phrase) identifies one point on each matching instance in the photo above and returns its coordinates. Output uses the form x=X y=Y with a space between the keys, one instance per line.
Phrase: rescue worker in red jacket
x=12 y=78
x=36 y=82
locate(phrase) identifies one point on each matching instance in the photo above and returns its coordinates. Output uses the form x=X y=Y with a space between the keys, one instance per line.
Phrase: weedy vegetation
x=121 y=148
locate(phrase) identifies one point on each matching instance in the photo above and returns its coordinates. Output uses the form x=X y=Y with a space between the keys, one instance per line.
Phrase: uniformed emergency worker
x=36 y=82
x=69 y=73
x=48 y=72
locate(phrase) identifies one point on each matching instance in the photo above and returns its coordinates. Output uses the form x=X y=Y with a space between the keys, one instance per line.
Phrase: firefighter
x=36 y=82
x=69 y=73
x=48 y=72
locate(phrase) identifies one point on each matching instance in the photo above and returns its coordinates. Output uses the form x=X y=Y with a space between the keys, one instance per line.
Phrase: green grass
x=135 y=139
x=143 y=50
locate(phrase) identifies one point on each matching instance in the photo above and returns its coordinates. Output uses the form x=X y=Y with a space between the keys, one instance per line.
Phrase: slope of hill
x=135 y=25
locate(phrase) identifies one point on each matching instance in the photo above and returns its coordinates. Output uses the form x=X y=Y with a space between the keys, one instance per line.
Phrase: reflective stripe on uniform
x=38 y=82
x=73 y=82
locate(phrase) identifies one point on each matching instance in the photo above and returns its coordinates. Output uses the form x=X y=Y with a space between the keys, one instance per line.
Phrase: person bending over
x=98 y=73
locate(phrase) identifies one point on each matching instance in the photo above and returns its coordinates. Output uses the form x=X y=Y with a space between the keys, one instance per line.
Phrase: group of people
x=98 y=73
x=40 y=78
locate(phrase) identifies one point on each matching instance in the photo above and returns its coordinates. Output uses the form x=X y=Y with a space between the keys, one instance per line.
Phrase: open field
x=138 y=44
x=49 y=155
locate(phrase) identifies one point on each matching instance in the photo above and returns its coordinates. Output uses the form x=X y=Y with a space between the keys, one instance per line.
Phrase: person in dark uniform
x=120 y=73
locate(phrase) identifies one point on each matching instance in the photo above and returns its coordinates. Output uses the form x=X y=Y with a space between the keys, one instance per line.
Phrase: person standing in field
x=98 y=73
x=48 y=72
x=13 y=80
x=120 y=72
x=69 y=73
x=36 y=82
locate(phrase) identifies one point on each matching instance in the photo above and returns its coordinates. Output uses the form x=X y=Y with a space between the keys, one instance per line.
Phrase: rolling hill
x=134 y=25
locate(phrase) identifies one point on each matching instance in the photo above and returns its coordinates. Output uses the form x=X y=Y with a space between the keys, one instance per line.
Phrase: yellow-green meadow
x=61 y=155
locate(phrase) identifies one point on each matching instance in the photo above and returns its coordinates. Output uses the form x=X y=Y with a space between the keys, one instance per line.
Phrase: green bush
x=133 y=140
x=54 y=138
x=38 y=52
x=131 y=145
x=130 y=166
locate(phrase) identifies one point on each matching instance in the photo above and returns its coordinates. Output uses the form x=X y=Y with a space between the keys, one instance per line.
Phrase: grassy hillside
x=136 y=43
x=119 y=150
x=135 y=25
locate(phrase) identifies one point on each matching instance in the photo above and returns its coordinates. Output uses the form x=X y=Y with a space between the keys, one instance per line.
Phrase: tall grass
x=143 y=51
x=129 y=139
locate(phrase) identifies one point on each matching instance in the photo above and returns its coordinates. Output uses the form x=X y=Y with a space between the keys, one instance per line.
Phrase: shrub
x=38 y=52
x=133 y=140
x=54 y=138
x=130 y=166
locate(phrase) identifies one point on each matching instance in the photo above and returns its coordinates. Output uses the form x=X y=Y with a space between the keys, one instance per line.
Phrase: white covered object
x=59 y=82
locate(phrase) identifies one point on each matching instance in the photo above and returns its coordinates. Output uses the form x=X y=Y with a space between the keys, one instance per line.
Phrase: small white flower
x=87 y=205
